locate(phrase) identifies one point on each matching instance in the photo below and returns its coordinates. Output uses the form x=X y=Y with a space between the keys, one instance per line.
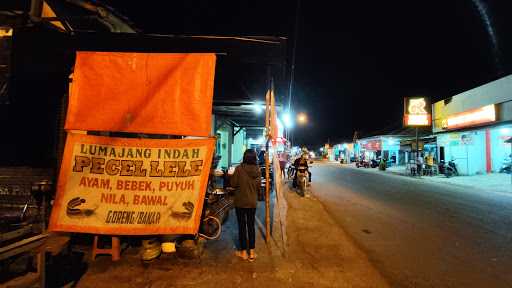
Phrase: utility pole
x=294 y=49
x=417 y=151
x=268 y=115
x=292 y=68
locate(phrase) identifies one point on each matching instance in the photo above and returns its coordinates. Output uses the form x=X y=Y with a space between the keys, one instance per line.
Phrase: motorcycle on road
x=302 y=180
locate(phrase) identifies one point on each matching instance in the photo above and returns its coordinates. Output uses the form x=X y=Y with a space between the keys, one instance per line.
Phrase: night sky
x=357 y=60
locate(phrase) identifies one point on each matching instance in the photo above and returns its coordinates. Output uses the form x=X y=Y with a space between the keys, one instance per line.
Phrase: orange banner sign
x=155 y=93
x=122 y=186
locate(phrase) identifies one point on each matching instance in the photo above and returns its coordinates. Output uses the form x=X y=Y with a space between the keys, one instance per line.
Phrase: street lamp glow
x=257 y=108
x=287 y=120
x=302 y=118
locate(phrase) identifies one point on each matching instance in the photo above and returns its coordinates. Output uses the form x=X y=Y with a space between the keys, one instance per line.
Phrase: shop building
x=472 y=127
x=376 y=147
x=344 y=152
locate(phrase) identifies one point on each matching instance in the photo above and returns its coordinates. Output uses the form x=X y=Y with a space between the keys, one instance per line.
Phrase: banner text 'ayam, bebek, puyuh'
x=131 y=186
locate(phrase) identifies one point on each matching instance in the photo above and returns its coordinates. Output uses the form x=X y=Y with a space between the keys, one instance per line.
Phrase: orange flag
x=156 y=93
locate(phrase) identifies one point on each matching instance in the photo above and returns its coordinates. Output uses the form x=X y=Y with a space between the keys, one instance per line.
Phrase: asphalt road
x=421 y=234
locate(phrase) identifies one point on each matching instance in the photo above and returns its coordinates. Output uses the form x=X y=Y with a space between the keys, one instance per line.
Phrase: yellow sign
x=125 y=186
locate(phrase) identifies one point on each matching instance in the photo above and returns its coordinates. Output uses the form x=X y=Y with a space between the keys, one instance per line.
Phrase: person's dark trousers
x=245 y=217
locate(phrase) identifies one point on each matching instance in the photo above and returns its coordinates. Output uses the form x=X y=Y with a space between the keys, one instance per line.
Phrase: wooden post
x=267 y=194
x=41 y=266
x=267 y=167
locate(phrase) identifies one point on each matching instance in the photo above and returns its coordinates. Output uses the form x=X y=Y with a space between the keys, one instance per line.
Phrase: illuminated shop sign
x=474 y=117
x=417 y=112
x=374 y=145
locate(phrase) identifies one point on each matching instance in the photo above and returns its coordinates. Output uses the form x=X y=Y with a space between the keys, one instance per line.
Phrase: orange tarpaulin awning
x=155 y=93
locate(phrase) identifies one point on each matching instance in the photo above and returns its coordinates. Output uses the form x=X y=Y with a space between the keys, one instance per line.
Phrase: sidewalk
x=493 y=182
x=318 y=254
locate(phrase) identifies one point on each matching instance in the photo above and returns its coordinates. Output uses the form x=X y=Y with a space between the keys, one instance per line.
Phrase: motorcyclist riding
x=301 y=162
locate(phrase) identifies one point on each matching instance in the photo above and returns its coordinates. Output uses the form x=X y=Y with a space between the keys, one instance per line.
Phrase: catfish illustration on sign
x=73 y=211
x=184 y=215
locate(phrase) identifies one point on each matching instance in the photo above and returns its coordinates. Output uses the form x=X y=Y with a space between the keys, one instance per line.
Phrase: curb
x=442 y=182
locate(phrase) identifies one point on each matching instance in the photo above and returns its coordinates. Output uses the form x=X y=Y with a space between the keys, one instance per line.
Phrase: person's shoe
x=252 y=255
x=242 y=254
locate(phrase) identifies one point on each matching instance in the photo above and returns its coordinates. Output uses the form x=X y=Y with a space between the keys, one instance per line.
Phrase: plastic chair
x=114 y=251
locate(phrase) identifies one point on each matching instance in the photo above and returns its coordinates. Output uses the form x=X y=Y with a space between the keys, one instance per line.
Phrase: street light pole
x=292 y=68
x=294 y=49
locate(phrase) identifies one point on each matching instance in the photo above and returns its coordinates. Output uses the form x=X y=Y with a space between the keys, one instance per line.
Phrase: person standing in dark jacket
x=247 y=181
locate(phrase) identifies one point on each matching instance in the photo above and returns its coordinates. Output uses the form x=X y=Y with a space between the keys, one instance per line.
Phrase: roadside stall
x=134 y=153
x=131 y=185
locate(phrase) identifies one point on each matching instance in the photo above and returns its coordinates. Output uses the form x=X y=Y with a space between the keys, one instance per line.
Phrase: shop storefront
x=369 y=148
x=427 y=145
x=344 y=152
x=472 y=127
x=387 y=147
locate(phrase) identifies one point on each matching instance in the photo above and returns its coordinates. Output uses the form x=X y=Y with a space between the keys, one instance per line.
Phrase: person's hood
x=251 y=170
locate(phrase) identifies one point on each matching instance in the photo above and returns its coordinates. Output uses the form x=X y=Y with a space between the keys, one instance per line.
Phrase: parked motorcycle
x=363 y=163
x=374 y=163
x=441 y=167
x=506 y=167
x=451 y=169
